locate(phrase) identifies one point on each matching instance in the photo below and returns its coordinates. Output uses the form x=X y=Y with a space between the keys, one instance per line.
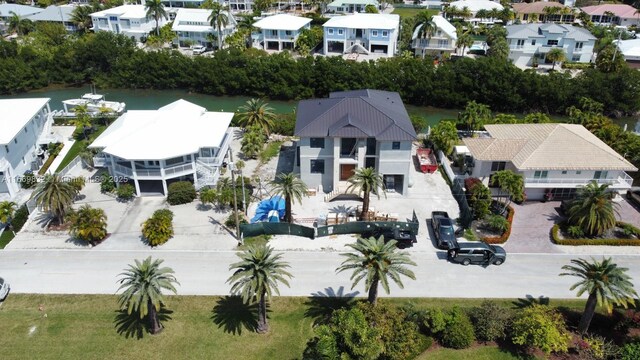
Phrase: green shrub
x=596 y=348
x=126 y=192
x=490 y=321
x=270 y=151
x=231 y=220
x=158 y=229
x=497 y=223
x=28 y=180
x=78 y=183
x=431 y=321
x=542 y=327
x=107 y=184
x=20 y=217
x=575 y=232
x=285 y=124
x=505 y=235
x=458 y=331
x=400 y=338
x=555 y=235
x=630 y=351
x=181 y=192
x=88 y=224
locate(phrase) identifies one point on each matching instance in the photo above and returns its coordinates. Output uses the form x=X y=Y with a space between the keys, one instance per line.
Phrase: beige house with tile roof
x=556 y=158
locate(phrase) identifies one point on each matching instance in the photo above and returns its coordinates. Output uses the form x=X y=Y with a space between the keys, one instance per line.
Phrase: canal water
x=153 y=99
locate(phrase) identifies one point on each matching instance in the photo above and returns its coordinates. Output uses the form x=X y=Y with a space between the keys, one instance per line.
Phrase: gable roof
x=186 y=15
x=534 y=7
x=124 y=12
x=619 y=10
x=442 y=24
x=547 y=146
x=21 y=10
x=526 y=31
x=365 y=21
x=357 y=113
x=282 y=22
x=54 y=13
x=179 y=128
x=16 y=113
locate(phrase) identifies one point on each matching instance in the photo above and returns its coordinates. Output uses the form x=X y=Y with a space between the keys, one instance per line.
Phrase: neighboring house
x=26 y=125
x=351 y=130
x=192 y=4
x=442 y=41
x=57 y=14
x=535 y=40
x=239 y=6
x=351 y=6
x=476 y=5
x=553 y=158
x=618 y=14
x=129 y=20
x=630 y=49
x=280 y=32
x=153 y=148
x=362 y=33
x=7 y=11
x=534 y=12
x=192 y=26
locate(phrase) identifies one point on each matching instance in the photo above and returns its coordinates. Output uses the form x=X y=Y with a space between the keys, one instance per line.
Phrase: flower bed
x=558 y=239
x=505 y=235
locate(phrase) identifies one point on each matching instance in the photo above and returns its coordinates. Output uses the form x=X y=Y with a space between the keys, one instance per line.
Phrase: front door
x=346 y=171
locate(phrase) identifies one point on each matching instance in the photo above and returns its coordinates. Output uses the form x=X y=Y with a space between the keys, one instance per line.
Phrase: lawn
x=84 y=326
x=5 y=238
x=270 y=151
x=80 y=146
x=411 y=12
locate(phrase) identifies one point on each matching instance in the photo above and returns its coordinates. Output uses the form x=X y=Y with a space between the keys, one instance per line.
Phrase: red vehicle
x=427 y=160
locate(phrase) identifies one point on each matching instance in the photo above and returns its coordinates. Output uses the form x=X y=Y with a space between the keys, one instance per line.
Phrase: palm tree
x=7 y=210
x=464 y=41
x=155 y=10
x=605 y=282
x=509 y=182
x=483 y=14
x=82 y=119
x=88 y=224
x=81 y=17
x=18 y=25
x=291 y=188
x=256 y=113
x=143 y=284
x=256 y=277
x=475 y=115
x=218 y=20
x=55 y=196
x=366 y=181
x=427 y=27
x=252 y=142
x=593 y=209
x=556 y=55
x=550 y=10
x=376 y=261
x=465 y=13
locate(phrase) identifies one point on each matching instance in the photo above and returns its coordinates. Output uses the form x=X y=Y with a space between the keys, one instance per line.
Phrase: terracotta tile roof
x=534 y=7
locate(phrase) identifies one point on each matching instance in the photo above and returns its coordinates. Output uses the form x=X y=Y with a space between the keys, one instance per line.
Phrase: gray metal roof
x=358 y=113
x=526 y=31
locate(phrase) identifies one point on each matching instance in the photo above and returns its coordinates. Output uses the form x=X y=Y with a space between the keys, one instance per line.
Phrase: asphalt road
x=205 y=273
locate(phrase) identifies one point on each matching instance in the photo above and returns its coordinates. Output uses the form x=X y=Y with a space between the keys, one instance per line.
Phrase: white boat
x=94 y=103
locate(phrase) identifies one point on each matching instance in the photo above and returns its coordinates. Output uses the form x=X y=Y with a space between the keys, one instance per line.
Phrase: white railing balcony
x=178 y=169
x=622 y=181
x=123 y=170
x=99 y=161
x=148 y=172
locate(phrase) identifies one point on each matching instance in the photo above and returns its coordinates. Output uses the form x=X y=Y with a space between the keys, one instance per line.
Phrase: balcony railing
x=99 y=161
x=148 y=172
x=624 y=180
x=178 y=169
x=123 y=170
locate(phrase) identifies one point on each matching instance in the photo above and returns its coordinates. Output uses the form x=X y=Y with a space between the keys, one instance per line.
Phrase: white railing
x=446 y=165
x=147 y=172
x=99 y=161
x=178 y=169
x=67 y=169
x=123 y=170
x=626 y=179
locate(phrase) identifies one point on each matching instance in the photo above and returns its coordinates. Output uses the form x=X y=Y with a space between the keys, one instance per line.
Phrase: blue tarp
x=266 y=206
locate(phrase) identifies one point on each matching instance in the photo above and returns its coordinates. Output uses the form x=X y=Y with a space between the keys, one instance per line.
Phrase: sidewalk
x=66 y=133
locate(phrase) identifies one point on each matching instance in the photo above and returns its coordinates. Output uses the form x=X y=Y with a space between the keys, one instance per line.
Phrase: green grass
x=83 y=326
x=5 y=238
x=80 y=146
x=476 y=353
x=411 y=12
x=255 y=241
x=270 y=151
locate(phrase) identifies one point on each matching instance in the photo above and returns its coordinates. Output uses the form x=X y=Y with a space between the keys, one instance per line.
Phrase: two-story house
x=351 y=130
x=239 y=6
x=153 y=148
x=552 y=158
x=192 y=26
x=613 y=14
x=351 y=6
x=441 y=41
x=279 y=32
x=535 y=12
x=129 y=20
x=7 y=11
x=535 y=40
x=362 y=33
x=61 y=14
x=25 y=125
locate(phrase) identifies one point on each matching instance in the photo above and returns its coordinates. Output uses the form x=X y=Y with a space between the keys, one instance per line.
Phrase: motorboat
x=95 y=104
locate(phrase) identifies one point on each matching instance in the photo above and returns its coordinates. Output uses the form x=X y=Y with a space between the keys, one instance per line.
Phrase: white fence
x=71 y=166
x=446 y=165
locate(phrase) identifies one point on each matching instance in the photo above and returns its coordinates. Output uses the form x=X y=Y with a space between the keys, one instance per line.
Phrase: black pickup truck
x=443 y=229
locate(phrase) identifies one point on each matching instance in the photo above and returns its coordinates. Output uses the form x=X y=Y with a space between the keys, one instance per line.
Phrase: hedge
x=505 y=235
x=555 y=235
x=48 y=163
x=576 y=65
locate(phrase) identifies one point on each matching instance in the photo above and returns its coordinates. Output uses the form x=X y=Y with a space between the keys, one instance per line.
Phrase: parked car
x=198 y=49
x=404 y=237
x=477 y=253
x=443 y=230
x=634 y=197
x=4 y=289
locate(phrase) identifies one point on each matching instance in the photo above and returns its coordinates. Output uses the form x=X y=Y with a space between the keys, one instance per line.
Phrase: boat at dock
x=95 y=104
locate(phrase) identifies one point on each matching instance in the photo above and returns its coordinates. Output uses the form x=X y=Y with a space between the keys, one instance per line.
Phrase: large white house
x=279 y=32
x=192 y=26
x=7 y=11
x=25 y=125
x=441 y=41
x=536 y=40
x=351 y=130
x=553 y=158
x=351 y=6
x=362 y=33
x=153 y=148
x=56 y=14
x=129 y=20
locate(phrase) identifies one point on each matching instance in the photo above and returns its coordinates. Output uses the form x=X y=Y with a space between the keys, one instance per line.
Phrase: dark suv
x=443 y=230
x=477 y=253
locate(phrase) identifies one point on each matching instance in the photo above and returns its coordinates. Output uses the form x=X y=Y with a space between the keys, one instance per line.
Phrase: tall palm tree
x=464 y=41
x=475 y=115
x=143 y=284
x=291 y=188
x=218 y=19
x=593 y=209
x=256 y=277
x=510 y=183
x=155 y=10
x=605 y=282
x=18 y=25
x=256 y=113
x=556 y=55
x=465 y=12
x=82 y=119
x=88 y=224
x=427 y=27
x=366 y=181
x=7 y=209
x=376 y=261
x=55 y=196
x=81 y=17
x=550 y=10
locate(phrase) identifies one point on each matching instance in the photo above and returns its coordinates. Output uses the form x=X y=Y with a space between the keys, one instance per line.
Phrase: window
x=395 y=145
x=600 y=174
x=564 y=172
x=274 y=32
x=578 y=172
x=533 y=42
x=540 y=174
x=6 y=149
x=287 y=32
x=575 y=58
x=175 y=160
x=317 y=166
x=552 y=42
x=316 y=143
x=15 y=140
x=520 y=42
x=443 y=43
x=24 y=162
x=25 y=130
x=498 y=165
x=385 y=33
x=298 y=156
x=330 y=31
x=374 y=32
x=340 y=31
x=579 y=45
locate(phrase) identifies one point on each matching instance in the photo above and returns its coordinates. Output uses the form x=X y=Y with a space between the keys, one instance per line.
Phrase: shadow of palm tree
x=232 y=314
x=131 y=325
x=321 y=305
x=530 y=300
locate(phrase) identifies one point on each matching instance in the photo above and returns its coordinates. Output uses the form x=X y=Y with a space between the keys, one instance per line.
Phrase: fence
x=248 y=230
x=67 y=169
x=446 y=166
x=466 y=214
